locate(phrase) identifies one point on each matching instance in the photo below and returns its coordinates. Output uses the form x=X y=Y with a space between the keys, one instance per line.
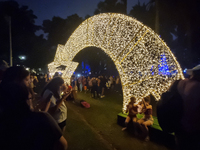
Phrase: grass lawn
x=96 y=128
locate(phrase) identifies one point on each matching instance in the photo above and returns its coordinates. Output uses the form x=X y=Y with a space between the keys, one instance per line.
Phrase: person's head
x=64 y=87
x=56 y=74
x=13 y=97
x=194 y=72
x=16 y=74
x=147 y=99
x=133 y=99
x=3 y=65
x=54 y=86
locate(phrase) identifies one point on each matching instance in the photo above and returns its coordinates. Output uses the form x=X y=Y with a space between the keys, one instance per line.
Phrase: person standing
x=3 y=67
x=56 y=105
x=111 y=82
x=94 y=87
x=84 y=83
x=103 y=86
x=188 y=136
x=23 y=129
x=18 y=74
x=80 y=81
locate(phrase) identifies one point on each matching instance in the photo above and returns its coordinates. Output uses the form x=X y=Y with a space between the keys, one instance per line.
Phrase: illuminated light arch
x=144 y=62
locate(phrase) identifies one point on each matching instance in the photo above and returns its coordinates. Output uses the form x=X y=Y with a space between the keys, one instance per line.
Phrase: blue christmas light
x=163 y=68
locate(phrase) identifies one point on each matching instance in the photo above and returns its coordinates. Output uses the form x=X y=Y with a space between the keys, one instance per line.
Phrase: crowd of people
x=21 y=127
x=96 y=85
x=24 y=126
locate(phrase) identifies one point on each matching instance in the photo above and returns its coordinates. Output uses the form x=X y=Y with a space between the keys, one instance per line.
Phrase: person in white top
x=55 y=104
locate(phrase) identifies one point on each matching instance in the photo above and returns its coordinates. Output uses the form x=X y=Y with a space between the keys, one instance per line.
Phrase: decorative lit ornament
x=144 y=62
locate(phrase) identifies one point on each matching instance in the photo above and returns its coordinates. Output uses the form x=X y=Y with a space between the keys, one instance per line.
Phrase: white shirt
x=61 y=114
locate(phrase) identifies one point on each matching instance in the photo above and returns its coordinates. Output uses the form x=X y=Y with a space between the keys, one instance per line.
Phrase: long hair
x=15 y=74
x=13 y=98
x=147 y=99
x=54 y=86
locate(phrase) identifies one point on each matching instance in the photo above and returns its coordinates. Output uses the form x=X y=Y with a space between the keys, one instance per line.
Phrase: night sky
x=46 y=9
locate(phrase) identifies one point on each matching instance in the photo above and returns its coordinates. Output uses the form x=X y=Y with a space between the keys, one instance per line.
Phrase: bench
x=155 y=131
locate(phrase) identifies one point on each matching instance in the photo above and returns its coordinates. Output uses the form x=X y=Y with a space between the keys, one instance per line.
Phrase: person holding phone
x=54 y=97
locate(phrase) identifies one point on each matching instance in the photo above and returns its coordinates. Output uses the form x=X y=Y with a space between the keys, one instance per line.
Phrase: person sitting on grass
x=132 y=111
x=147 y=120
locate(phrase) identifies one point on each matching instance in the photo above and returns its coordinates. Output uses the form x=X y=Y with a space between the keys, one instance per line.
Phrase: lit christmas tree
x=163 y=68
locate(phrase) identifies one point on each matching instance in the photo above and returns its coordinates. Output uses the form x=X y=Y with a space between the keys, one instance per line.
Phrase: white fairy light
x=136 y=50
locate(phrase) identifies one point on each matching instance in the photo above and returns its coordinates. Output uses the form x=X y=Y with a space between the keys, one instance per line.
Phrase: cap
x=190 y=71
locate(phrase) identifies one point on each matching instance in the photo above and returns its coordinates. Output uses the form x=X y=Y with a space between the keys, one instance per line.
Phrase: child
x=132 y=111
x=147 y=120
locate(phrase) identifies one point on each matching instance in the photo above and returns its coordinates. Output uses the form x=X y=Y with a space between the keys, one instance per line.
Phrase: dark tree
x=114 y=6
x=178 y=18
x=59 y=30
x=24 y=40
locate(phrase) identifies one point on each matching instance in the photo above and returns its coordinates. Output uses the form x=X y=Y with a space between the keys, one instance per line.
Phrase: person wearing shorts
x=147 y=120
x=132 y=111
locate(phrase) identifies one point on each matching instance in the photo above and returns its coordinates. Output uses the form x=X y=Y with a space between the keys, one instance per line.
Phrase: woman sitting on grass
x=132 y=111
x=147 y=120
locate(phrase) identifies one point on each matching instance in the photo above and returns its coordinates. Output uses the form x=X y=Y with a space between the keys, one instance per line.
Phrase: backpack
x=84 y=104
x=170 y=109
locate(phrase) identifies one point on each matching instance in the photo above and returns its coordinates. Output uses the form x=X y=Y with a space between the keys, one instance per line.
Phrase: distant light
x=33 y=70
x=89 y=72
x=78 y=75
x=28 y=69
x=18 y=65
x=39 y=69
x=22 y=57
x=185 y=70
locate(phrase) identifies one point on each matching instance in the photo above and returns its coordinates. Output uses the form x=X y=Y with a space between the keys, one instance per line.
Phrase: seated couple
x=143 y=107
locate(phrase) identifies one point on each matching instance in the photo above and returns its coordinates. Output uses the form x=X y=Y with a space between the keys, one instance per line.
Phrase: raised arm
x=58 y=103
x=61 y=144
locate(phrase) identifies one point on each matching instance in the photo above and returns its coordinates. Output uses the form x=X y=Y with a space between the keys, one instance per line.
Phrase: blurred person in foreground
x=189 y=89
x=3 y=67
x=18 y=74
x=23 y=129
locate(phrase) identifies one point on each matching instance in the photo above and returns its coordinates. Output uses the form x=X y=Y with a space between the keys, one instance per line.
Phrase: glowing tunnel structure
x=144 y=62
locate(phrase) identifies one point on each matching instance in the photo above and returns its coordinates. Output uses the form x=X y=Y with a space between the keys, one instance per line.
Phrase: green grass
x=96 y=128
x=139 y=116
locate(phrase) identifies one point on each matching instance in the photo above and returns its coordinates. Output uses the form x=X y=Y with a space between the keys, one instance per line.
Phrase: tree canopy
x=177 y=23
x=24 y=40
x=179 y=26
x=115 y=6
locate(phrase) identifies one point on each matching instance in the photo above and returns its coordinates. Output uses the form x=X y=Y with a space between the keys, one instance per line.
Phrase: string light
x=144 y=62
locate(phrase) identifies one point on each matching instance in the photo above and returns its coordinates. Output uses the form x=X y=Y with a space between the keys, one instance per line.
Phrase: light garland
x=139 y=54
